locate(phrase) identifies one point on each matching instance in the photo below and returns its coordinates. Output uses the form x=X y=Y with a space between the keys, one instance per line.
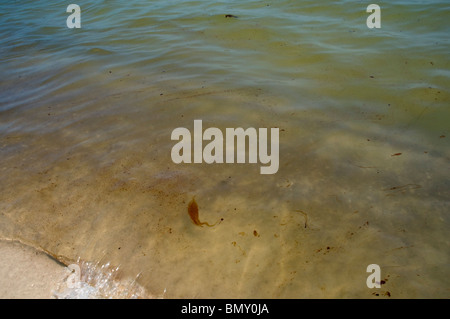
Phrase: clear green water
x=86 y=117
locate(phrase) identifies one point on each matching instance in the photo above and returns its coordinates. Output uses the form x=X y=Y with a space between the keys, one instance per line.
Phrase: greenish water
x=86 y=117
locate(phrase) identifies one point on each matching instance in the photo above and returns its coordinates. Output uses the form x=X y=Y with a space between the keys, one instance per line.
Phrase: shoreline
x=27 y=273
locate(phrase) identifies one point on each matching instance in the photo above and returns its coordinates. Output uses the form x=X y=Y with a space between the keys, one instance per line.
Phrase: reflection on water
x=363 y=116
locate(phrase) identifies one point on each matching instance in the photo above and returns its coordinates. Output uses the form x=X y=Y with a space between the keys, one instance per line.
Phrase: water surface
x=86 y=117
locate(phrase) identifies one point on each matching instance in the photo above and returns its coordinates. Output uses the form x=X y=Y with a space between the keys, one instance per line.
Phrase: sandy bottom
x=27 y=273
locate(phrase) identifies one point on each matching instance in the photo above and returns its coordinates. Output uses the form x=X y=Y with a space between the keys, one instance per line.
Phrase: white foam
x=85 y=280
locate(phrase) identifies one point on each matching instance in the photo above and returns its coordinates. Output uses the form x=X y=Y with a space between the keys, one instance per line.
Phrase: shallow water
x=86 y=117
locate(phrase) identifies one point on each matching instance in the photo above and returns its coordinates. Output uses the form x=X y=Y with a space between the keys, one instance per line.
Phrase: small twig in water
x=306 y=217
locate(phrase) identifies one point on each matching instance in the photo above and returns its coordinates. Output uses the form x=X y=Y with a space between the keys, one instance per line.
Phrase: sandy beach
x=29 y=273
x=26 y=273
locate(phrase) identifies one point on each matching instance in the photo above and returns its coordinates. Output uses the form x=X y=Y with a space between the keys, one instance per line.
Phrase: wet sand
x=27 y=273
x=30 y=273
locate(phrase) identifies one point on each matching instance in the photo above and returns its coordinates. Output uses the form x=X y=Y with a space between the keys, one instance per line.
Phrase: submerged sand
x=86 y=118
